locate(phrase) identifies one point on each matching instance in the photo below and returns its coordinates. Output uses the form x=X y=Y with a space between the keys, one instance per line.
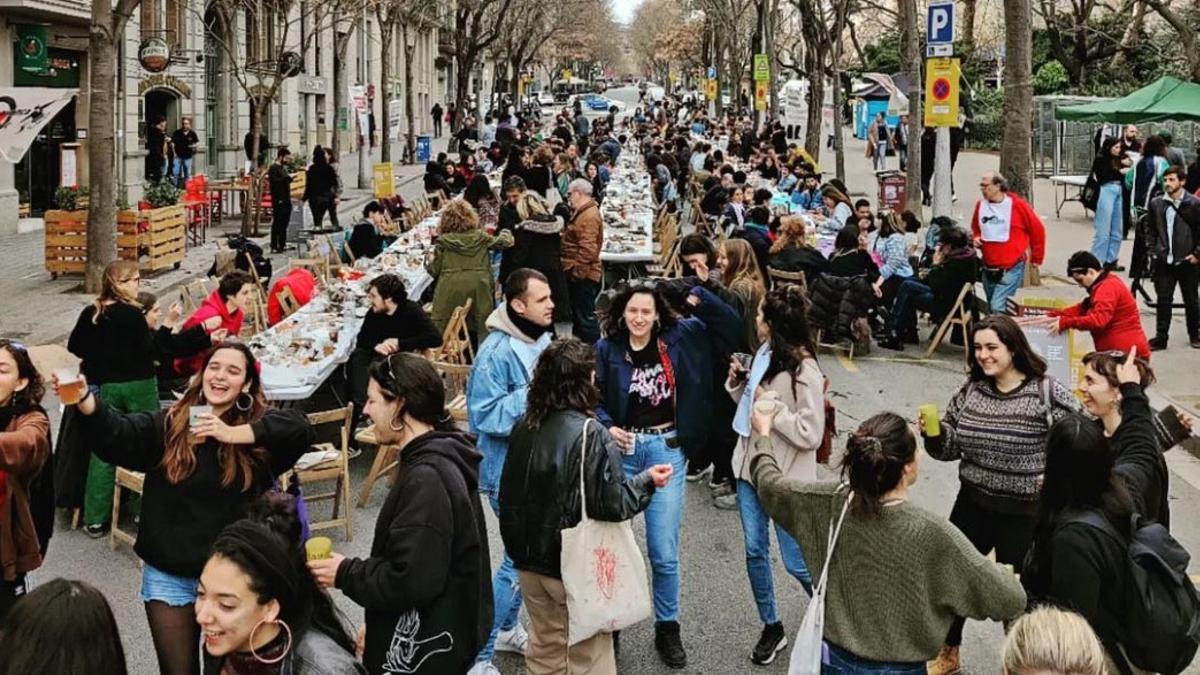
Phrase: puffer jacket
x=836 y=302
x=539 y=487
x=538 y=246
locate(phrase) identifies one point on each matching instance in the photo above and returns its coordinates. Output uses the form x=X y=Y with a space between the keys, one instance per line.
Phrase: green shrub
x=160 y=194
x=70 y=198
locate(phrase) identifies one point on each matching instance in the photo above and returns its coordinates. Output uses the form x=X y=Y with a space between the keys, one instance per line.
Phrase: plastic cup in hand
x=743 y=359
x=933 y=423
x=70 y=385
x=194 y=414
x=318 y=548
x=768 y=406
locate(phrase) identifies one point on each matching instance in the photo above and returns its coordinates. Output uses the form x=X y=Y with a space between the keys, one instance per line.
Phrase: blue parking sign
x=940 y=24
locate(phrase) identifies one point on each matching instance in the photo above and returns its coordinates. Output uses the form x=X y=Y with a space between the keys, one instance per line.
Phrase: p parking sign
x=939 y=25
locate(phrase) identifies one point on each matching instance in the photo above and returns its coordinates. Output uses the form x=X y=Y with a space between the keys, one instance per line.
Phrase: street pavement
x=718 y=616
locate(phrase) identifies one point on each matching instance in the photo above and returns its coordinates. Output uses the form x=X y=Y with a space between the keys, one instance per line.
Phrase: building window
x=166 y=19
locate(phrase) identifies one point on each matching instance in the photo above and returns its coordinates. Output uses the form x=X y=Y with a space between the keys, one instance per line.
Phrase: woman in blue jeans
x=784 y=371
x=655 y=375
x=1107 y=170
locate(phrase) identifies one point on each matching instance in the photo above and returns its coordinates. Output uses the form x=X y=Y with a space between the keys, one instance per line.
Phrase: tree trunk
x=386 y=32
x=463 y=81
x=250 y=214
x=410 y=148
x=106 y=29
x=340 y=92
x=910 y=55
x=968 y=23
x=816 y=102
x=1129 y=39
x=839 y=153
x=1016 y=162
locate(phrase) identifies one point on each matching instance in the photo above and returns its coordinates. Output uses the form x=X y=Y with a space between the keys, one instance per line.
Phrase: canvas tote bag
x=602 y=571
x=806 y=651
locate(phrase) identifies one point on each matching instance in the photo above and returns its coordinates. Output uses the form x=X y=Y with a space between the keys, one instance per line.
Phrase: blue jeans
x=506 y=593
x=1109 y=223
x=998 y=292
x=170 y=589
x=880 y=158
x=183 y=169
x=663 y=517
x=910 y=297
x=756 y=532
x=838 y=661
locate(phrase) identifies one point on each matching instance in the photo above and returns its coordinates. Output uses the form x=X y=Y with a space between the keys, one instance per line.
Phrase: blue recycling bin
x=424 y=148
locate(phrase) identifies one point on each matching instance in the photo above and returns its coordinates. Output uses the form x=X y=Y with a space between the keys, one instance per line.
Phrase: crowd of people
x=713 y=372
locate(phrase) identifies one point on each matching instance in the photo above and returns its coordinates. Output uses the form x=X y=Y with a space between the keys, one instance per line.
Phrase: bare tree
x=1016 y=161
x=341 y=22
x=910 y=54
x=107 y=27
x=1075 y=39
x=733 y=23
x=256 y=64
x=477 y=26
x=822 y=26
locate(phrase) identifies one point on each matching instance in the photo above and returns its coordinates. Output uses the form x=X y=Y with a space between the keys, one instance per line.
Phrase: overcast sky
x=623 y=9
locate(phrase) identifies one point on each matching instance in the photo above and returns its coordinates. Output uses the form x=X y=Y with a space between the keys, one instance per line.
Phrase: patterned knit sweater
x=896 y=580
x=1001 y=440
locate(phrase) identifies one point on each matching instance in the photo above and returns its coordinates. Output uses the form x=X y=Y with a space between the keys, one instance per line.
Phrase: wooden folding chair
x=337 y=470
x=134 y=481
x=454 y=377
x=287 y=301
x=959 y=315
x=260 y=300
x=779 y=278
x=385 y=463
x=456 y=339
x=436 y=199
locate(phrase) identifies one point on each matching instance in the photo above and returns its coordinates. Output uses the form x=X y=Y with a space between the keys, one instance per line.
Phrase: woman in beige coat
x=785 y=371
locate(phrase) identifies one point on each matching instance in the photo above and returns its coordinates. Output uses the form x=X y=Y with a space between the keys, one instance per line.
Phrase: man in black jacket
x=394 y=324
x=280 y=182
x=1173 y=243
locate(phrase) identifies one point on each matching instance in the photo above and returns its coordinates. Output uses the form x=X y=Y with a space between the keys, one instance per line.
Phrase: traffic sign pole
x=941 y=97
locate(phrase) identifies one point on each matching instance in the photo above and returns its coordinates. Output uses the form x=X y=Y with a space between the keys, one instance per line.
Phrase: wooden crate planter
x=158 y=237
x=66 y=242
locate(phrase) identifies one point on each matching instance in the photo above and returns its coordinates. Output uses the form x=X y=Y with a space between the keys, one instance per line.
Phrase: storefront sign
x=23 y=113
x=162 y=80
x=32 y=55
x=310 y=84
x=290 y=64
x=62 y=69
x=154 y=54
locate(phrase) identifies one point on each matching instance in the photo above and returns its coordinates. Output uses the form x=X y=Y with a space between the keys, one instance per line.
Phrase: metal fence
x=1067 y=148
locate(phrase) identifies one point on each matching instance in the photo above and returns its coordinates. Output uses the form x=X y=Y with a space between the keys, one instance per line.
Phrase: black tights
x=176 y=637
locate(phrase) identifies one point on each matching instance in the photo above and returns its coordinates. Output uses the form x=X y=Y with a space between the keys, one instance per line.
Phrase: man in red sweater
x=1005 y=227
x=1109 y=312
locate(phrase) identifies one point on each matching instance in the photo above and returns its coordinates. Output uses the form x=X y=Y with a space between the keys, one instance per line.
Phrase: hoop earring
x=287 y=648
x=393 y=427
x=249 y=402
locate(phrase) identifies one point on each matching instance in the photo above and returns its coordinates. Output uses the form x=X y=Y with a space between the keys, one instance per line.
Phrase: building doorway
x=37 y=174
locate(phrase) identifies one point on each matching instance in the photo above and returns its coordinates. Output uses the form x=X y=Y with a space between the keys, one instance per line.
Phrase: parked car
x=545 y=98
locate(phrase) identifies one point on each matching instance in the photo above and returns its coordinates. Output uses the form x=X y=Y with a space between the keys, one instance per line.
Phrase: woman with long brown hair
x=203 y=466
x=740 y=274
x=791 y=252
x=117 y=348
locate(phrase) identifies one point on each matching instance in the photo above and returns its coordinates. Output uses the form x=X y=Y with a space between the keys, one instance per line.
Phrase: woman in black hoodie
x=427 y=585
x=320 y=188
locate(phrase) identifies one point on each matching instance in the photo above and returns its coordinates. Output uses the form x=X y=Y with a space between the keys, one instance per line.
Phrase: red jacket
x=1027 y=233
x=1111 y=316
x=303 y=285
x=212 y=306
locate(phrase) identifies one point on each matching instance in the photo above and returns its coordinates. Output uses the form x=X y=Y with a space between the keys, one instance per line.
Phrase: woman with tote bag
x=871 y=543
x=564 y=493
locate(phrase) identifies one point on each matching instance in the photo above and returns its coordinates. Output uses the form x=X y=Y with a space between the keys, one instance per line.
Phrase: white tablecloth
x=628 y=212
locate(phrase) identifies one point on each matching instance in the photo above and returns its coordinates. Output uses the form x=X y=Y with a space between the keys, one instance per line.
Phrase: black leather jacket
x=539 y=488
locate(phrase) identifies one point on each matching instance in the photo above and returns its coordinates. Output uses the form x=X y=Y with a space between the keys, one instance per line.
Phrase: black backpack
x=1162 y=611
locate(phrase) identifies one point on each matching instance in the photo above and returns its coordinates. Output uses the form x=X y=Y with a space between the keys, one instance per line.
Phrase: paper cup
x=769 y=407
x=318 y=548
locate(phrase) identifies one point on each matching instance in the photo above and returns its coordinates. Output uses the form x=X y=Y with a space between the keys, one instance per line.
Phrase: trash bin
x=424 y=148
x=893 y=190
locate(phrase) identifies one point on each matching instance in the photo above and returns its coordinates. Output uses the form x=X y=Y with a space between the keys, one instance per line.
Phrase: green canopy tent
x=1166 y=99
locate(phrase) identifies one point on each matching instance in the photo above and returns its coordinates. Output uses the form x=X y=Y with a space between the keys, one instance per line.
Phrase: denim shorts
x=167 y=588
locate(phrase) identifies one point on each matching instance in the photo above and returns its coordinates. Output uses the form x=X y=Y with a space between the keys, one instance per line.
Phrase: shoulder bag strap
x=834 y=533
x=669 y=373
x=583 y=460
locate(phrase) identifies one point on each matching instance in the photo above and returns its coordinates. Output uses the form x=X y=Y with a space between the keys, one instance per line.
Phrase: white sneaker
x=514 y=640
x=483 y=668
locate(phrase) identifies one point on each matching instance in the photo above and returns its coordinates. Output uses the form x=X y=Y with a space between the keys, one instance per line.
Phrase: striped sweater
x=1001 y=440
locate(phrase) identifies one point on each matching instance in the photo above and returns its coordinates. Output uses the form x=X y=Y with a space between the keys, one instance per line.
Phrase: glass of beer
x=70 y=385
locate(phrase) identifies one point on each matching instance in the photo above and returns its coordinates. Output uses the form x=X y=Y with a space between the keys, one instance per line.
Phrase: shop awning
x=1166 y=99
x=23 y=113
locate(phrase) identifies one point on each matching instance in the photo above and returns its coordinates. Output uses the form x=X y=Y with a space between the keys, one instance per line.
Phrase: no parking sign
x=941 y=92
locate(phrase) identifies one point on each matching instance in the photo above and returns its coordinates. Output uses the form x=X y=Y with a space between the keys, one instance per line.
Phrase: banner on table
x=385 y=181
x=941 y=92
x=23 y=113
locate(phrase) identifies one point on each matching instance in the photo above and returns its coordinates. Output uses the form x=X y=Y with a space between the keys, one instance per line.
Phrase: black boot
x=669 y=645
